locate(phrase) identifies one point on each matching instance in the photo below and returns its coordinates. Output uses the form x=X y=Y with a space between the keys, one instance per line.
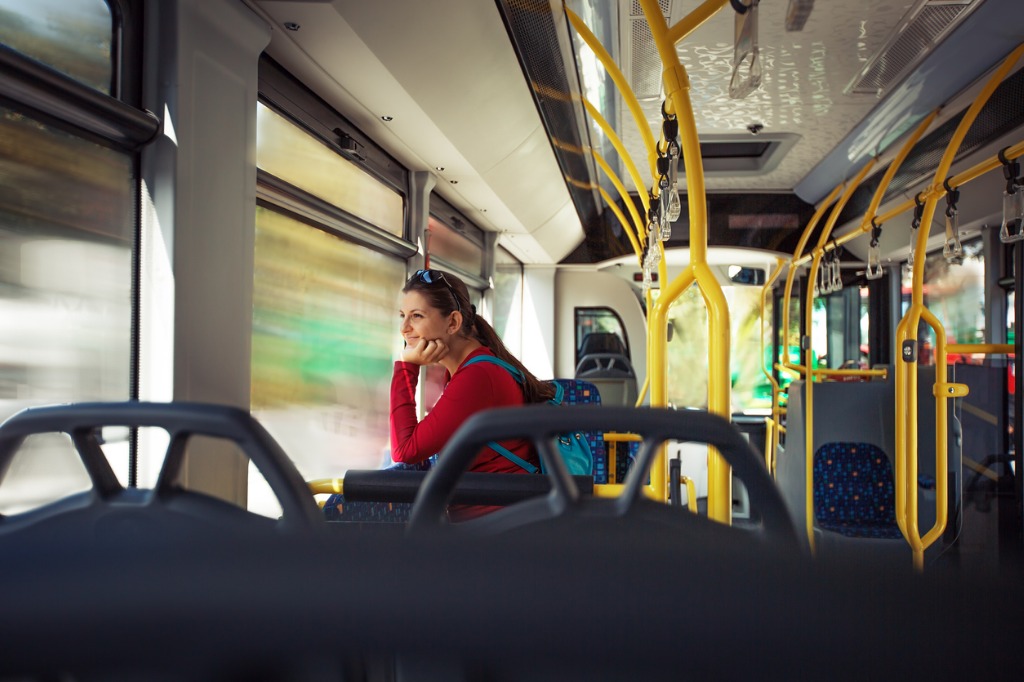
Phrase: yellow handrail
x=772 y=440
x=876 y=200
x=620 y=82
x=937 y=190
x=980 y=348
x=906 y=379
x=327 y=486
x=630 y=206
x=677 y=95
x=627 y=160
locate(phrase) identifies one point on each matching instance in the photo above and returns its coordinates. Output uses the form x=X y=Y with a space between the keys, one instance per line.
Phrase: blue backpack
x=573 y=447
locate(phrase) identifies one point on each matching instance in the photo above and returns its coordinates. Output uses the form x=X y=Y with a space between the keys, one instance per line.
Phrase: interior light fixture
x=797 y=13
x=291 y=26
x=387 y=119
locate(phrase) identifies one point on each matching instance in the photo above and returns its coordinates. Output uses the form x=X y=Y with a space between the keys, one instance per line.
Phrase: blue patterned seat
x=579 y=392
x=854 y=493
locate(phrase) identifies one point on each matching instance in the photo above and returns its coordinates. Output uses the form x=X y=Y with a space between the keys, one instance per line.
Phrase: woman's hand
x=425 y=352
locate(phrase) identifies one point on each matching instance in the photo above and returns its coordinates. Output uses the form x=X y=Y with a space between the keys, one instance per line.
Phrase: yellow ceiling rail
x=630 y=206
x=620 y=82
x=937 y=190
x=876 y=200
x=890 y=172
x=622 y=220
x=627 y=160
x=677 y=93
x=906 y=374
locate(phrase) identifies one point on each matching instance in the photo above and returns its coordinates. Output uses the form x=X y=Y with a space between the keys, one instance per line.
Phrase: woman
x=440 y=325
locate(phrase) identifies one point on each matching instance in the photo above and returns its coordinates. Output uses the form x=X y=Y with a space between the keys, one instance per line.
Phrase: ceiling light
x=387 y=119
x=291 y=26
x=797 y=13
x=439 y=168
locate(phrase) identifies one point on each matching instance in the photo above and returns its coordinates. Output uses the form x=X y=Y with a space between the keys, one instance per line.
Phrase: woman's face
x=420 y=320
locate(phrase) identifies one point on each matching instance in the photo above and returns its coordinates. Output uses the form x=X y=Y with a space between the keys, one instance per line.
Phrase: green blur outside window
x=325 y=331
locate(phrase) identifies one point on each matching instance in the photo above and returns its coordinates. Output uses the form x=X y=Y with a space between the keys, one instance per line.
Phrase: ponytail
x=534 y=390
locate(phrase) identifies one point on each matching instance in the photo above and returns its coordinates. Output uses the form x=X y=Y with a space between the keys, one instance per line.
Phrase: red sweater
x=478 y=387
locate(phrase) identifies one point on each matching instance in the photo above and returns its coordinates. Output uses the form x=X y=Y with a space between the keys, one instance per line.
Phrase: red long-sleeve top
x=477 y=387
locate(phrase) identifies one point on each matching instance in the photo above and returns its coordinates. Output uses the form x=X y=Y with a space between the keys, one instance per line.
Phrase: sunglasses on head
x=434 y=276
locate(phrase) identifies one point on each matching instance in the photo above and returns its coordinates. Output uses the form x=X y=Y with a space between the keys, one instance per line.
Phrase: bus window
x=600 y=330
x=324 y=335
x=453 y=248
x=956 y=295
x=508 y=300
x=44 y=469
x=71 y=36
x=840 y=328
x=687 y=351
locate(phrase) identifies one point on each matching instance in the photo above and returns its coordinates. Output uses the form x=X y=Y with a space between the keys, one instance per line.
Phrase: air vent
x=920 y=30
x=645 y=65
x=743 y=155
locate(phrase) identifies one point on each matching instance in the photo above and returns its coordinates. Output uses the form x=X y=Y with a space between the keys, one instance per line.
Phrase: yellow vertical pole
x=677 y=94
x=772 y=437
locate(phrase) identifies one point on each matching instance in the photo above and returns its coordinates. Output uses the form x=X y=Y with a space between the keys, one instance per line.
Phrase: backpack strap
x=511 y=369
x=518 y=376
x=512 y=457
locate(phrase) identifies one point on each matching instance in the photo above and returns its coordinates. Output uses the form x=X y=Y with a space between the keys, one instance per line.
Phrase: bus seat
x=613 y=375
x=602 y=342
x=580 y=392
x=858 y=414
x=854 y=494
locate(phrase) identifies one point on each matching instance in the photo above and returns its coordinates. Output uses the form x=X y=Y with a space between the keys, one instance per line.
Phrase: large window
x=325 y=331
x=325 y=302
x=67 y=223
x=71 y=36
x=508 y=300
x=289 y=153
x=687 y=353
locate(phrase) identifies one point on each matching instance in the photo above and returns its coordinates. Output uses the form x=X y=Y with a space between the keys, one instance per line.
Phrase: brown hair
x=448 y=293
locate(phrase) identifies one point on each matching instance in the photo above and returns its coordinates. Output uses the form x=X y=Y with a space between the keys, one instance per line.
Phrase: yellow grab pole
x=906 y=404
x=812 y=275
x=677 y=92
x=772 y=440
x=620 y=82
